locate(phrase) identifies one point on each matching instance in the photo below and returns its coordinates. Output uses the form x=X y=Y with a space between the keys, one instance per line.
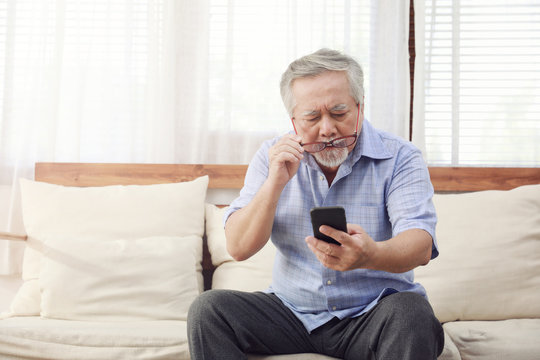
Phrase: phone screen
x=333 y=216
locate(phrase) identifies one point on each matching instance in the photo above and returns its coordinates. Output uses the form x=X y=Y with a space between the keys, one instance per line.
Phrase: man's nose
x=327 y=126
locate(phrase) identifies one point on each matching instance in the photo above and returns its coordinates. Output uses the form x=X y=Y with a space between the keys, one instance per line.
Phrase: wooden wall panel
x=444 y=179
x=93 y=174
x=458 y=179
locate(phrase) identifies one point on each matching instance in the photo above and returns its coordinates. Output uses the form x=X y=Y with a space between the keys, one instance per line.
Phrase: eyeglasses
x=340 y=142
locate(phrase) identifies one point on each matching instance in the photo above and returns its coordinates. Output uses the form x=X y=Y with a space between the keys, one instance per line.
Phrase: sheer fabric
x=163 y=81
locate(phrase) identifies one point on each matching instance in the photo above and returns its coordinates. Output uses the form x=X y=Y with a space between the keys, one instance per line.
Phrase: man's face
x=325 y=110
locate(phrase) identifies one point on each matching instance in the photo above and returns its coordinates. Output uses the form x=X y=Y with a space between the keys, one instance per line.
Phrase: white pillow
x=215 y=234
x=97 y=279
x=488 y=266
x=253 y=274
x=108 y=213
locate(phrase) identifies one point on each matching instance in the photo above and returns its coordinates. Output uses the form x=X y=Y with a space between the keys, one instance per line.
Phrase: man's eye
x=339 y=115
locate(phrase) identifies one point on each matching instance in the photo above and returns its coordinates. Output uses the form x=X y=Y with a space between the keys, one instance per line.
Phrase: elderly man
x=353 y=300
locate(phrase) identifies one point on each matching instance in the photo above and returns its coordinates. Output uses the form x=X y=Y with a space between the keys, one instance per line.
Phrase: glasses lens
x=314 y=147
x=344 y=141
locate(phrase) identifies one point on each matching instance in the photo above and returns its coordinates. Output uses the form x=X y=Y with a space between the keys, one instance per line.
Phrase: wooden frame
x=444 y=179
x=95 y=174
x=462 y=179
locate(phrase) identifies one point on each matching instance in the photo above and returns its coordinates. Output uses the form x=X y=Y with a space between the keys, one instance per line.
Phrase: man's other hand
x=285 y=157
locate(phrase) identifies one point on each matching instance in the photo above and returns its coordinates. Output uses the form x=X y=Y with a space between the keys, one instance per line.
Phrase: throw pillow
x=488 y=266
x=96 y=279
x=54 y=213
x=253 y=274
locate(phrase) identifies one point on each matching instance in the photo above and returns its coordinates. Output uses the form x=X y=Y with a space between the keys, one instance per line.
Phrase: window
x=481 y=82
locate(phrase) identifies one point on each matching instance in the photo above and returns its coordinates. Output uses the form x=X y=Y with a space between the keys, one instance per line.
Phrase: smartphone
x=333 y=216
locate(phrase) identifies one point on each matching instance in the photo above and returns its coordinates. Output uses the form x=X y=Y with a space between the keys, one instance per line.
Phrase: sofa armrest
x=12 y=236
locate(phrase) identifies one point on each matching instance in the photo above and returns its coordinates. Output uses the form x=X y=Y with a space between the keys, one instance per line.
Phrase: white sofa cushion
x=34 y=337
x=253 y=274
x=488 y=267
x=93 y=279
x=54 y=215
x=515 y=339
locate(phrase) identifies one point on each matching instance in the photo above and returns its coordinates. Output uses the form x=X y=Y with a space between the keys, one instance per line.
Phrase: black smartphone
x=333 y=216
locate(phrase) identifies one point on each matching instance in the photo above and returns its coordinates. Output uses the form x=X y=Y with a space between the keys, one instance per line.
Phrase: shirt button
x=322 y=177
x=329 y=282
x=334 y=308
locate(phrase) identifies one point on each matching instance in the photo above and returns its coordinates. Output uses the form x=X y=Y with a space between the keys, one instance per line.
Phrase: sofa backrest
x=467 y=281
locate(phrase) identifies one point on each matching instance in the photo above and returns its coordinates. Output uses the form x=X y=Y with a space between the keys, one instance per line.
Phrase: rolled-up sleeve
x=255 y=176
x=409 y=197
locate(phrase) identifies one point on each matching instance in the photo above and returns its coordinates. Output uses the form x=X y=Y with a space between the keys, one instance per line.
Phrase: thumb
x=355 y=229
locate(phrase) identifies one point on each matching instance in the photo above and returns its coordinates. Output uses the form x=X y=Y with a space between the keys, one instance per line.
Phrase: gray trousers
x=226 y=324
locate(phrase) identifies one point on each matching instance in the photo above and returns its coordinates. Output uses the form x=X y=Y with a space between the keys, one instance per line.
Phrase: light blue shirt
x=383 y=185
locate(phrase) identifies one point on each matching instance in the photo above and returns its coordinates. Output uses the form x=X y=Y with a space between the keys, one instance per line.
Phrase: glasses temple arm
x=357 y=118
x=294 y=126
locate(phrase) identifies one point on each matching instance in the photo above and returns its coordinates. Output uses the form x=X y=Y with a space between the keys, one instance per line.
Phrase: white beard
x=331 y=157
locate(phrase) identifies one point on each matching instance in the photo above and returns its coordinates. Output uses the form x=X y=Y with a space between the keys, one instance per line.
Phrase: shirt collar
x=369 y=144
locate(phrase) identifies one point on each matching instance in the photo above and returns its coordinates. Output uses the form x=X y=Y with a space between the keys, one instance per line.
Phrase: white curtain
x=164 y=81
x=389 y=93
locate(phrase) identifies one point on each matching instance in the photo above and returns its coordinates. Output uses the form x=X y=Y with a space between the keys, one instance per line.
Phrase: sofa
x=116 y=253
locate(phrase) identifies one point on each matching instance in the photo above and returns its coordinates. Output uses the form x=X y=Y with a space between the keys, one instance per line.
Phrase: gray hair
x=315 y=64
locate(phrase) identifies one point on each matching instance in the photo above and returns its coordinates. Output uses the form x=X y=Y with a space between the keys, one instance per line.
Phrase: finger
x=287 y=147
x=292 y=140
x=323 y=249
x=340 y=236
x=287 y=157
x=355 y=229
x=293 y=148
x=294 y=137
x=329 y=261
x=334 y=259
